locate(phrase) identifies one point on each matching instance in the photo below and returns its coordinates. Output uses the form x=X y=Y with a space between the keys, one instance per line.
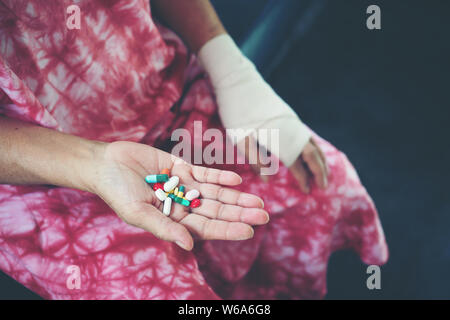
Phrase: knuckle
x=138 y=222
x=220 y=193
x=311 y=152
x=308 y=153
x=205 y=174
x=221 y=211
x=228 y=233
x=205 y=229
x=162 y=231
x=158 y=234
x=130 y=218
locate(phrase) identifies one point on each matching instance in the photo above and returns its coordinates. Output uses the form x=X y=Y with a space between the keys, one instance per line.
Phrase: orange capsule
x=165 y=171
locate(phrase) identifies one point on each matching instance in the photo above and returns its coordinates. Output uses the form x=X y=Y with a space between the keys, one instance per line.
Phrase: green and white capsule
x=154 y=178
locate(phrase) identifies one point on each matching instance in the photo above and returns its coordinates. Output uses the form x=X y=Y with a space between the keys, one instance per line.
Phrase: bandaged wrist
x=247 y=102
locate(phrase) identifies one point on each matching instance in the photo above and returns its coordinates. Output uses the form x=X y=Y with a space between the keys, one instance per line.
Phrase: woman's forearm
x=30 y=154
x=195 y=21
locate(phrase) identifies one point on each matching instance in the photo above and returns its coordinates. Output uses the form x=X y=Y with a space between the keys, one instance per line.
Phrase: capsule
x=171 y=184
x=192 y=194
x=172 y=196
x=154 y=178
x=175 y=191
x=181 y=190
x=157 y=186
x=167 y=206
x=165 y=171
x=195 y=203
x=182 y=201
x=178 y=199
x=161 y=195
x=185 y=202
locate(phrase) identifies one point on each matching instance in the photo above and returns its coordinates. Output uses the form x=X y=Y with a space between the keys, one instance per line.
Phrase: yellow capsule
x=175 y=192
x=180 y=194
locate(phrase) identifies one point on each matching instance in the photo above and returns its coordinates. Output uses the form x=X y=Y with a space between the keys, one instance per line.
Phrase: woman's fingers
x=312 y=158
x=219 y=211
x=152 y=220
x=322 y=156
x=208 y=229
x=216 y=176
x=300 y=173
x=249 y=148
x=315 y=163
x=229 y=196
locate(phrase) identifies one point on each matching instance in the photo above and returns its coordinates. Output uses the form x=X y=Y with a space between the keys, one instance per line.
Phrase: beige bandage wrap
x=247 y=102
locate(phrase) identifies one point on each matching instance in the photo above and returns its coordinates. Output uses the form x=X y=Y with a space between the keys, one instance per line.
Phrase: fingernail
x=181 y=245
x=255 y=217
x=250 y=236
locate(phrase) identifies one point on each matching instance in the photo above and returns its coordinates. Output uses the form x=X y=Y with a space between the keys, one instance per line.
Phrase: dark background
x=381 y=97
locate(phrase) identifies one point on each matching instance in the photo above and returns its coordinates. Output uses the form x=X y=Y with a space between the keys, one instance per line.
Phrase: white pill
x=167 y=206
x=171 y=184
x=192 y=194
x=160 y=194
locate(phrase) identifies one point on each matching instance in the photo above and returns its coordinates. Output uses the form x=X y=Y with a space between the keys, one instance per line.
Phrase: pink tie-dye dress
x=124 y=77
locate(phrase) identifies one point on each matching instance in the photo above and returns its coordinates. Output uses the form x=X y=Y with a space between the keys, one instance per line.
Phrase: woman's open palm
x=224 y=213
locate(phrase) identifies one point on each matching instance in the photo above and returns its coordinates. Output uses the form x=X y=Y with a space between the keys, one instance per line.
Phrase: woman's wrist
x=35 y=155
x=238 y=86
x=87 y=162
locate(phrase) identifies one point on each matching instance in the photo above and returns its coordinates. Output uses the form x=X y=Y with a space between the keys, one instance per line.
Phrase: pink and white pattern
x=123 y=76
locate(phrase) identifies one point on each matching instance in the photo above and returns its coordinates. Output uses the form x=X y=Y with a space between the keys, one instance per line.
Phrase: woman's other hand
x=311 y=163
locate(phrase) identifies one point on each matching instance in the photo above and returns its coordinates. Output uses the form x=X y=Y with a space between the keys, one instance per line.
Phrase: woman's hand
x=239 y=86
x=311 y=163
x=225 y=213
x=116 y=172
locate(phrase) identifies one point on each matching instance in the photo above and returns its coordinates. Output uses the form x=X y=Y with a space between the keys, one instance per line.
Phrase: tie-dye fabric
x=124 y=77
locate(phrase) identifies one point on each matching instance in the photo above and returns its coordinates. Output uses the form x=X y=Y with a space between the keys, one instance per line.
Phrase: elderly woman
x=73 y=197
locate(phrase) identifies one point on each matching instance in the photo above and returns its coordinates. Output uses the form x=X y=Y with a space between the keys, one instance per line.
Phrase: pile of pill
x=167 y=190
